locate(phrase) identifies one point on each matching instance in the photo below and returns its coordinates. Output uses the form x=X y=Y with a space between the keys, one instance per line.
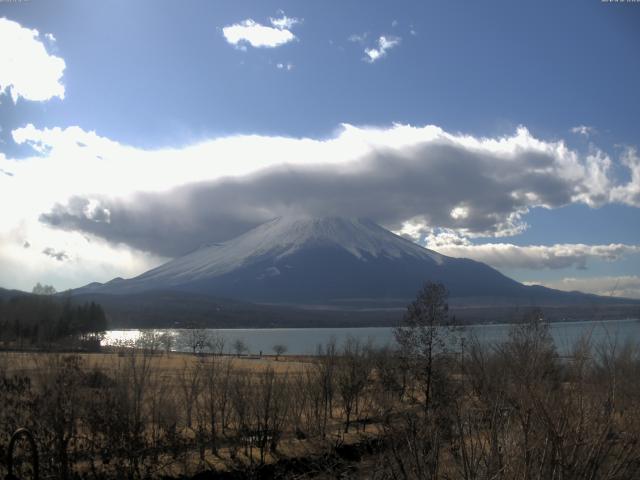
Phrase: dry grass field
x=170 y=364
x=513 y=410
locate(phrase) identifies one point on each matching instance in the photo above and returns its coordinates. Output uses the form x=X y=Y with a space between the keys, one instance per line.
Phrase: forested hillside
x=37 y=320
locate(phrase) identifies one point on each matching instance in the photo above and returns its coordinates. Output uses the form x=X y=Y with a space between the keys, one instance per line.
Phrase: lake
x=304 y=341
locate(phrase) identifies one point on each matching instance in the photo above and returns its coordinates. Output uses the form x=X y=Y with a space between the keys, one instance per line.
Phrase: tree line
x=42 y=319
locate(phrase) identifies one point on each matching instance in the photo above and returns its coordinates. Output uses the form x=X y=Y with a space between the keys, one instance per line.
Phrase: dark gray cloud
x=58 y=255
x=438 y=183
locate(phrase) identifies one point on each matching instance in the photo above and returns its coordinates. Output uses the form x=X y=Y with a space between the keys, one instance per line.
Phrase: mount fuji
x=330 y=261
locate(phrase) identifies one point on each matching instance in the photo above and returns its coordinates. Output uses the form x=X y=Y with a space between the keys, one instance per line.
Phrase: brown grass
x=26 y=362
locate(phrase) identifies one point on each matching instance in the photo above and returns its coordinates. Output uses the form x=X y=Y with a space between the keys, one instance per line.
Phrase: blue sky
x=163 y=77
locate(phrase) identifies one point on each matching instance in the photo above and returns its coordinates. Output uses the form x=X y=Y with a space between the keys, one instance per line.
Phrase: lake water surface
x=304 y=341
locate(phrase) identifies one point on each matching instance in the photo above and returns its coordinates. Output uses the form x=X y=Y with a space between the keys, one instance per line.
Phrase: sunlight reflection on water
x=304 y=341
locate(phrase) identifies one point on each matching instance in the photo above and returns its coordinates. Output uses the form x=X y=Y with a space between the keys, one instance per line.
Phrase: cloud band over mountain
x=423 y=176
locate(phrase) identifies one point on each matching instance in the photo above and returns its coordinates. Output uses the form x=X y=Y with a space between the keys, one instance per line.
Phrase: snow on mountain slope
x=327 y=261
x=316 y=260
x=283 y=237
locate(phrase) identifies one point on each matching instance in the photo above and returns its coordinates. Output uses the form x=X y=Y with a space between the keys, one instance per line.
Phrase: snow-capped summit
x=285 y=236
x=360 y=237
x=317 y=260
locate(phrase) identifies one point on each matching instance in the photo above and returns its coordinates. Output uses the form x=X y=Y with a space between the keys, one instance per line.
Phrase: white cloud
x=400 y=176
x=615 y=286
x=284 y=66
x=583 y=130
x=32 y=253
x=284 y=22
x=534 y=257
x=522 y=166
x=50 y=37
x=249 y=32
x=438 y=238
x=27 y=70
x=459 y=212
x=385 y=43
x=629 y=193
x=358 y=37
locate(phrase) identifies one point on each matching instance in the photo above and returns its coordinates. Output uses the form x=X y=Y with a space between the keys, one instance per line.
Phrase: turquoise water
x=302 y=341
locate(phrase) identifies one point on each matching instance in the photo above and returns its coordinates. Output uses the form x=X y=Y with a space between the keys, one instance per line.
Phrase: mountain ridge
x=329 y=261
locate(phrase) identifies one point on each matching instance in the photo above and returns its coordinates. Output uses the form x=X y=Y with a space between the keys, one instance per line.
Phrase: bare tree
x=190 y=383
x=279 y=349
x=59 y=407
x=167 y=341
x=423 y=333
x=351 y=377
x=198 y=340
x=40 y=289
x=216 y=373
x=239 y=346
x=326 y=365
x=216 y=344
x=269 y=407
x=240 y=400
x=149 y=340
